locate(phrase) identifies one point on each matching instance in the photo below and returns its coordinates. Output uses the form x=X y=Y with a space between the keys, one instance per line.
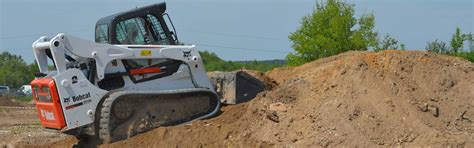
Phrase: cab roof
x=158 y=8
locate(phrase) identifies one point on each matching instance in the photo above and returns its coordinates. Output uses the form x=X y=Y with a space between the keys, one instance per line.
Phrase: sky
x=233 y=29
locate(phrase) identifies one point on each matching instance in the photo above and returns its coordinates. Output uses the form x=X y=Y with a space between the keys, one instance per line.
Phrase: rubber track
x=105 y=114
x=104 y=132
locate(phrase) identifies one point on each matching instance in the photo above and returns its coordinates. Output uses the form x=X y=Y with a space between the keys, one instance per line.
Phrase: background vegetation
x=456 y=46
x=14 y=71
x=332 y=28
x=213 y=63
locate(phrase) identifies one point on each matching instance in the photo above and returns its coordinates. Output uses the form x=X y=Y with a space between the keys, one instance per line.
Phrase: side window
x=158 y=31
x=101 y=34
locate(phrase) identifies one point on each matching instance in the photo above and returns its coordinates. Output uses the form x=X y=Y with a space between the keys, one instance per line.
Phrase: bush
x=465 y=55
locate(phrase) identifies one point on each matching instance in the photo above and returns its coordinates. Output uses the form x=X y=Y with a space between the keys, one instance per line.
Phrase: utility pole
x=4 y=74
x=7 y=60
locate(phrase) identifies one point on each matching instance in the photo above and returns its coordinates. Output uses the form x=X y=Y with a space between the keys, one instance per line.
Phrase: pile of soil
x=20 y=127
x=355 y=98
x=5 y=101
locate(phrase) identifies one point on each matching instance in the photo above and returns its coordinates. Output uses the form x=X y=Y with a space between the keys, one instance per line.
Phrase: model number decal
x=145 y=53
x=47 y=115
x=78 y=104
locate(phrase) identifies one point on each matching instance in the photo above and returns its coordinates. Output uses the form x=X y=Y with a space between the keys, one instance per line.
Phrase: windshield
x=101 y=35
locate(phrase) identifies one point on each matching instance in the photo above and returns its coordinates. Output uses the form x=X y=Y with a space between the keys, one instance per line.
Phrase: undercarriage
x=125 y=114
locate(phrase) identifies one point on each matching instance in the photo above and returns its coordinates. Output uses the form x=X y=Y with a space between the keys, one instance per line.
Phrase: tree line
x=456 y=45
x=14 y=71
x=214 y=63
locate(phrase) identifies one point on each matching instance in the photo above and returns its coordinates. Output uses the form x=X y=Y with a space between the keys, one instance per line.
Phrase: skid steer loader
x=135 y=77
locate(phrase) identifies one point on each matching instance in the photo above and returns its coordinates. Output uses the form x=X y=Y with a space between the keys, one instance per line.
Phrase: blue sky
x=234 y=29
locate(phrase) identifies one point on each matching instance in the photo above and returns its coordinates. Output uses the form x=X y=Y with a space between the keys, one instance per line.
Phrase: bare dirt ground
x=19 y=125
x=389 y=98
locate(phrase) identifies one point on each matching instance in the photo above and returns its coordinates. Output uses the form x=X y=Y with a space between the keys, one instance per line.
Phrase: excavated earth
x=19 y=125
x=390 y=98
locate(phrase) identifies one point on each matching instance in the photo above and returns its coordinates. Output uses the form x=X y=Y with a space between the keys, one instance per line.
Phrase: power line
x=202 y=32
x=39 y=34
x=238 y=48
x=237 y=35
x=234 y=48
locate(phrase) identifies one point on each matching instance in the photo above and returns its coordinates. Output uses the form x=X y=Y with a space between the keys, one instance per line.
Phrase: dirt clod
x=434 y=110
x=273 y=116
x=278 y=107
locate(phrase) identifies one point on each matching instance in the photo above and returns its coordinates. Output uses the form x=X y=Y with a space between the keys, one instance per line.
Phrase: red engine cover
x=48 y=103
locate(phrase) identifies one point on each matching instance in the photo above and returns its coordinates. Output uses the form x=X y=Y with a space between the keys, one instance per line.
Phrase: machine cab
x=140 y=26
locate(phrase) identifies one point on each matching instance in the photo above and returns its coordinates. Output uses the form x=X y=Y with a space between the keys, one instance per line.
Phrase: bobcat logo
x=186 y=54
x=77 y=98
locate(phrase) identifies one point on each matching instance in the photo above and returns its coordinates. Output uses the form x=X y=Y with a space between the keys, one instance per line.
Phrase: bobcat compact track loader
x=133 y=78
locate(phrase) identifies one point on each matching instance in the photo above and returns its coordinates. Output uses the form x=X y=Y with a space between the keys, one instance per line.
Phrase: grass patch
x=24 y=98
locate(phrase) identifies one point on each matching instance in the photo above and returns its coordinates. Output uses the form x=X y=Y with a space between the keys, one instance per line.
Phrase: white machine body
x=78 y=89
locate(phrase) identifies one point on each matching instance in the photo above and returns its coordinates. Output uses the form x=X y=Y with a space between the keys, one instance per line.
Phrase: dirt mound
x=363 y=98
x=5 y=101
x=267 y=81
x=355 y=98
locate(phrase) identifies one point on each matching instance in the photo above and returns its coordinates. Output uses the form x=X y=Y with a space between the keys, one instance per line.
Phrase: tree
x=387 y=43
x=437 y=47
x=457 y=41
x=331 y=29
x=213 y=63
x=469 y=37
x=14 y=72
x=456 y=46
x=402 y=46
